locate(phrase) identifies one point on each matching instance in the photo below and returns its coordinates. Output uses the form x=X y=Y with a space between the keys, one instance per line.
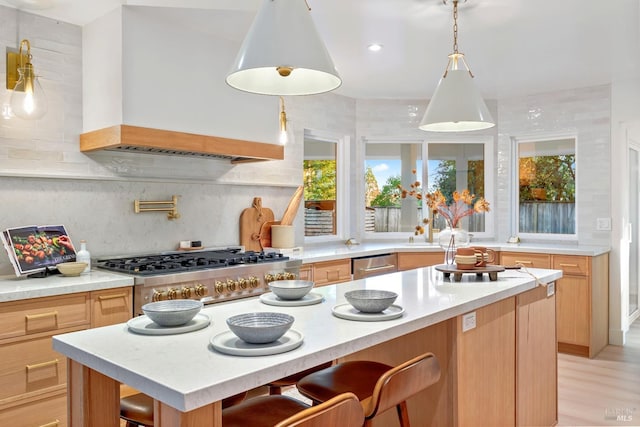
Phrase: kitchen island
x=188 y=379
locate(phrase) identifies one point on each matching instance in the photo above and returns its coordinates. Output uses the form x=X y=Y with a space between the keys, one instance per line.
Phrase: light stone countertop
x=186 y=373
x=330 y=252
x=14 y=288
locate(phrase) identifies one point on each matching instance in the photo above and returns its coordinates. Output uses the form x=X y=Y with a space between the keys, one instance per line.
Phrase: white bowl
x=260 y=328
x=172 y=312
x=370 y=300
x=290 y=289
x=71 y=268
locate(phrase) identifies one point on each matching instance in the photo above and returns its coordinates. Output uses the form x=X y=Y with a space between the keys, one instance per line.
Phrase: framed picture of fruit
x=35 y=248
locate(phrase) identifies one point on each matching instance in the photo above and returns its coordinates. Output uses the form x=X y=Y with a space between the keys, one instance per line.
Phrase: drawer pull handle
x=524 y=262
x=42 y=365
x=106 y=297
x=55 y=423
x=569 y=265
x=41 y=315
x=382 y=267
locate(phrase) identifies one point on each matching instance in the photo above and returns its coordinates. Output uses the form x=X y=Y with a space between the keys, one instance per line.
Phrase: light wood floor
x=596 y=392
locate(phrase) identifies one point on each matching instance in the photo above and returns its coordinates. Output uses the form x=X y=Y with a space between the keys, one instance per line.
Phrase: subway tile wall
x=585 y=113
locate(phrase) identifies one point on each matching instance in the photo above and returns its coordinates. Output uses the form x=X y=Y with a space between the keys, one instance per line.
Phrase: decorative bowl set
x=370 y=300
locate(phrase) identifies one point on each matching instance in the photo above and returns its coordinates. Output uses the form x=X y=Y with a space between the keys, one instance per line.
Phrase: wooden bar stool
x=343 y=410
x=275 y=387
x=379 y=387
x=137 y=409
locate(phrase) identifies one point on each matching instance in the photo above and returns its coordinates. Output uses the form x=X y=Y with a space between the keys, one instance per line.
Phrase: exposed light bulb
x=284 y=137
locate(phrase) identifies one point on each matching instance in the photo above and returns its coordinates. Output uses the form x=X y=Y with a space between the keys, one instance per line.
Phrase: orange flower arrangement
x=462 y=205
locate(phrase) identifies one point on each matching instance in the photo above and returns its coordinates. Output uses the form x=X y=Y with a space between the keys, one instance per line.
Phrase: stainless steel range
x=209 y=275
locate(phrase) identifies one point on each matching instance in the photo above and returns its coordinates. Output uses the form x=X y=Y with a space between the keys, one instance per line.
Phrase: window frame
x=515 y=190
x=342 y=183
x=489 y=178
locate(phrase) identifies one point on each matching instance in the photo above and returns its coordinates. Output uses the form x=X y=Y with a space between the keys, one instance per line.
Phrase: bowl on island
x=291 y=289
x=370 y=300
x=71 y=268
x=260 y=327
x=174 y=312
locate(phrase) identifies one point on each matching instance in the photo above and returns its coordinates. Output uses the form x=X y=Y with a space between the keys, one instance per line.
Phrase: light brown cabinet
x=111 y=306
x=536 y=358
x=582 y=304
x=582 y=298
x=33 y=376
x=411 y=260
x=331 y=272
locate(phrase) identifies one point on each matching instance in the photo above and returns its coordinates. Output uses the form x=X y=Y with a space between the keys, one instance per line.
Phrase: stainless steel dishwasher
x=373 y=265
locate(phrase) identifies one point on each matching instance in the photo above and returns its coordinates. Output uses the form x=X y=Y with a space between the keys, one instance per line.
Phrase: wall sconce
x=28 y=100
x=284 y=138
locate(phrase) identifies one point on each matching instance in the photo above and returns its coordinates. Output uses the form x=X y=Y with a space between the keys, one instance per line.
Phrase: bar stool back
x=379 y=387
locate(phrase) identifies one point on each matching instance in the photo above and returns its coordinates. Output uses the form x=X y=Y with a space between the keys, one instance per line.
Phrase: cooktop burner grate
x=192 y=261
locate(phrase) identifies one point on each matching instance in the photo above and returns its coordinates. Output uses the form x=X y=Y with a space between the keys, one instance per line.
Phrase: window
x=325 y=186
x=387 y=166
x=546 y=190
x=451 y=165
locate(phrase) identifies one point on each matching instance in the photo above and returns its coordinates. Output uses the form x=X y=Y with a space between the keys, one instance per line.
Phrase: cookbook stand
x=44 y=273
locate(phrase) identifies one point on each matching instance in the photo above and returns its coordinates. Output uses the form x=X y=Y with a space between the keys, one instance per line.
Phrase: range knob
x=253 y=281
x=157 y=296
x=172 y=293
x=231 y=285
x=219 y=287
x=280 y=276
x=243 y=283
x=200 y=290
x=269 y=278
x=186 y=292
x=290 y=276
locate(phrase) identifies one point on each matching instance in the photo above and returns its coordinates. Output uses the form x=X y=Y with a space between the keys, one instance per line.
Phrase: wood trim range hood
x=134 y=139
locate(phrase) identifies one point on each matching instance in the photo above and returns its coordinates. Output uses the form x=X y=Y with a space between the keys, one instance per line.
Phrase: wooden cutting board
x=265 y=233
x=251 y=221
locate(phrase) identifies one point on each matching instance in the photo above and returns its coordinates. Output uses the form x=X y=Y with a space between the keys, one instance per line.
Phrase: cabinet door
x=111 y=306
x=411 y=260
x=573 y=308
x=49 y=411
x=536 y=358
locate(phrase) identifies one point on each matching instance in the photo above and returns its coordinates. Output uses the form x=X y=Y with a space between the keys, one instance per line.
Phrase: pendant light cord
x=455 y=26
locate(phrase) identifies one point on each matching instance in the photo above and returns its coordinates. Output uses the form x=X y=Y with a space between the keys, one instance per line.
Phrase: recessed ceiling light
x=375 y=47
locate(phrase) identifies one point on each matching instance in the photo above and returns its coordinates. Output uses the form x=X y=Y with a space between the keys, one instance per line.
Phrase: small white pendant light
x=283 y=54
x=456 y=105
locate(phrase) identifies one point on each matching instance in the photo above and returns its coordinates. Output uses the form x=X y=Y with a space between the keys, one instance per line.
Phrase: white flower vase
x=450 y=239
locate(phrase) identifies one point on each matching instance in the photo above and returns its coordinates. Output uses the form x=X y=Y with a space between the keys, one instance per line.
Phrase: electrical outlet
x=603 y=224
x=468 y=321
x=551 y=289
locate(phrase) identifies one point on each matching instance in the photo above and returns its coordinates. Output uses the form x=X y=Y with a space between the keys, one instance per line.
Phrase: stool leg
x=130 y=424
x=403 y=414
x=275 y=390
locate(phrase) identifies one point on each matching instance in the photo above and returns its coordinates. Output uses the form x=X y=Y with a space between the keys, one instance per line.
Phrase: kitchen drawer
x=111 y=306
x=44 y=315
x=529 y=260
x=328 y=272
x=306 y=272
x=411 y=260
x=47 y=411
x=572 y=265
x=29 y=366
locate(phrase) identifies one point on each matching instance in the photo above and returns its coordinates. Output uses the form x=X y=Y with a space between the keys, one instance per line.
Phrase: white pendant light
x=456 y=105
x=283 y=54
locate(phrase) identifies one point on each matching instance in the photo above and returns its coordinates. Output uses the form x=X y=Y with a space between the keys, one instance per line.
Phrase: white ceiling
x=514 y=47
